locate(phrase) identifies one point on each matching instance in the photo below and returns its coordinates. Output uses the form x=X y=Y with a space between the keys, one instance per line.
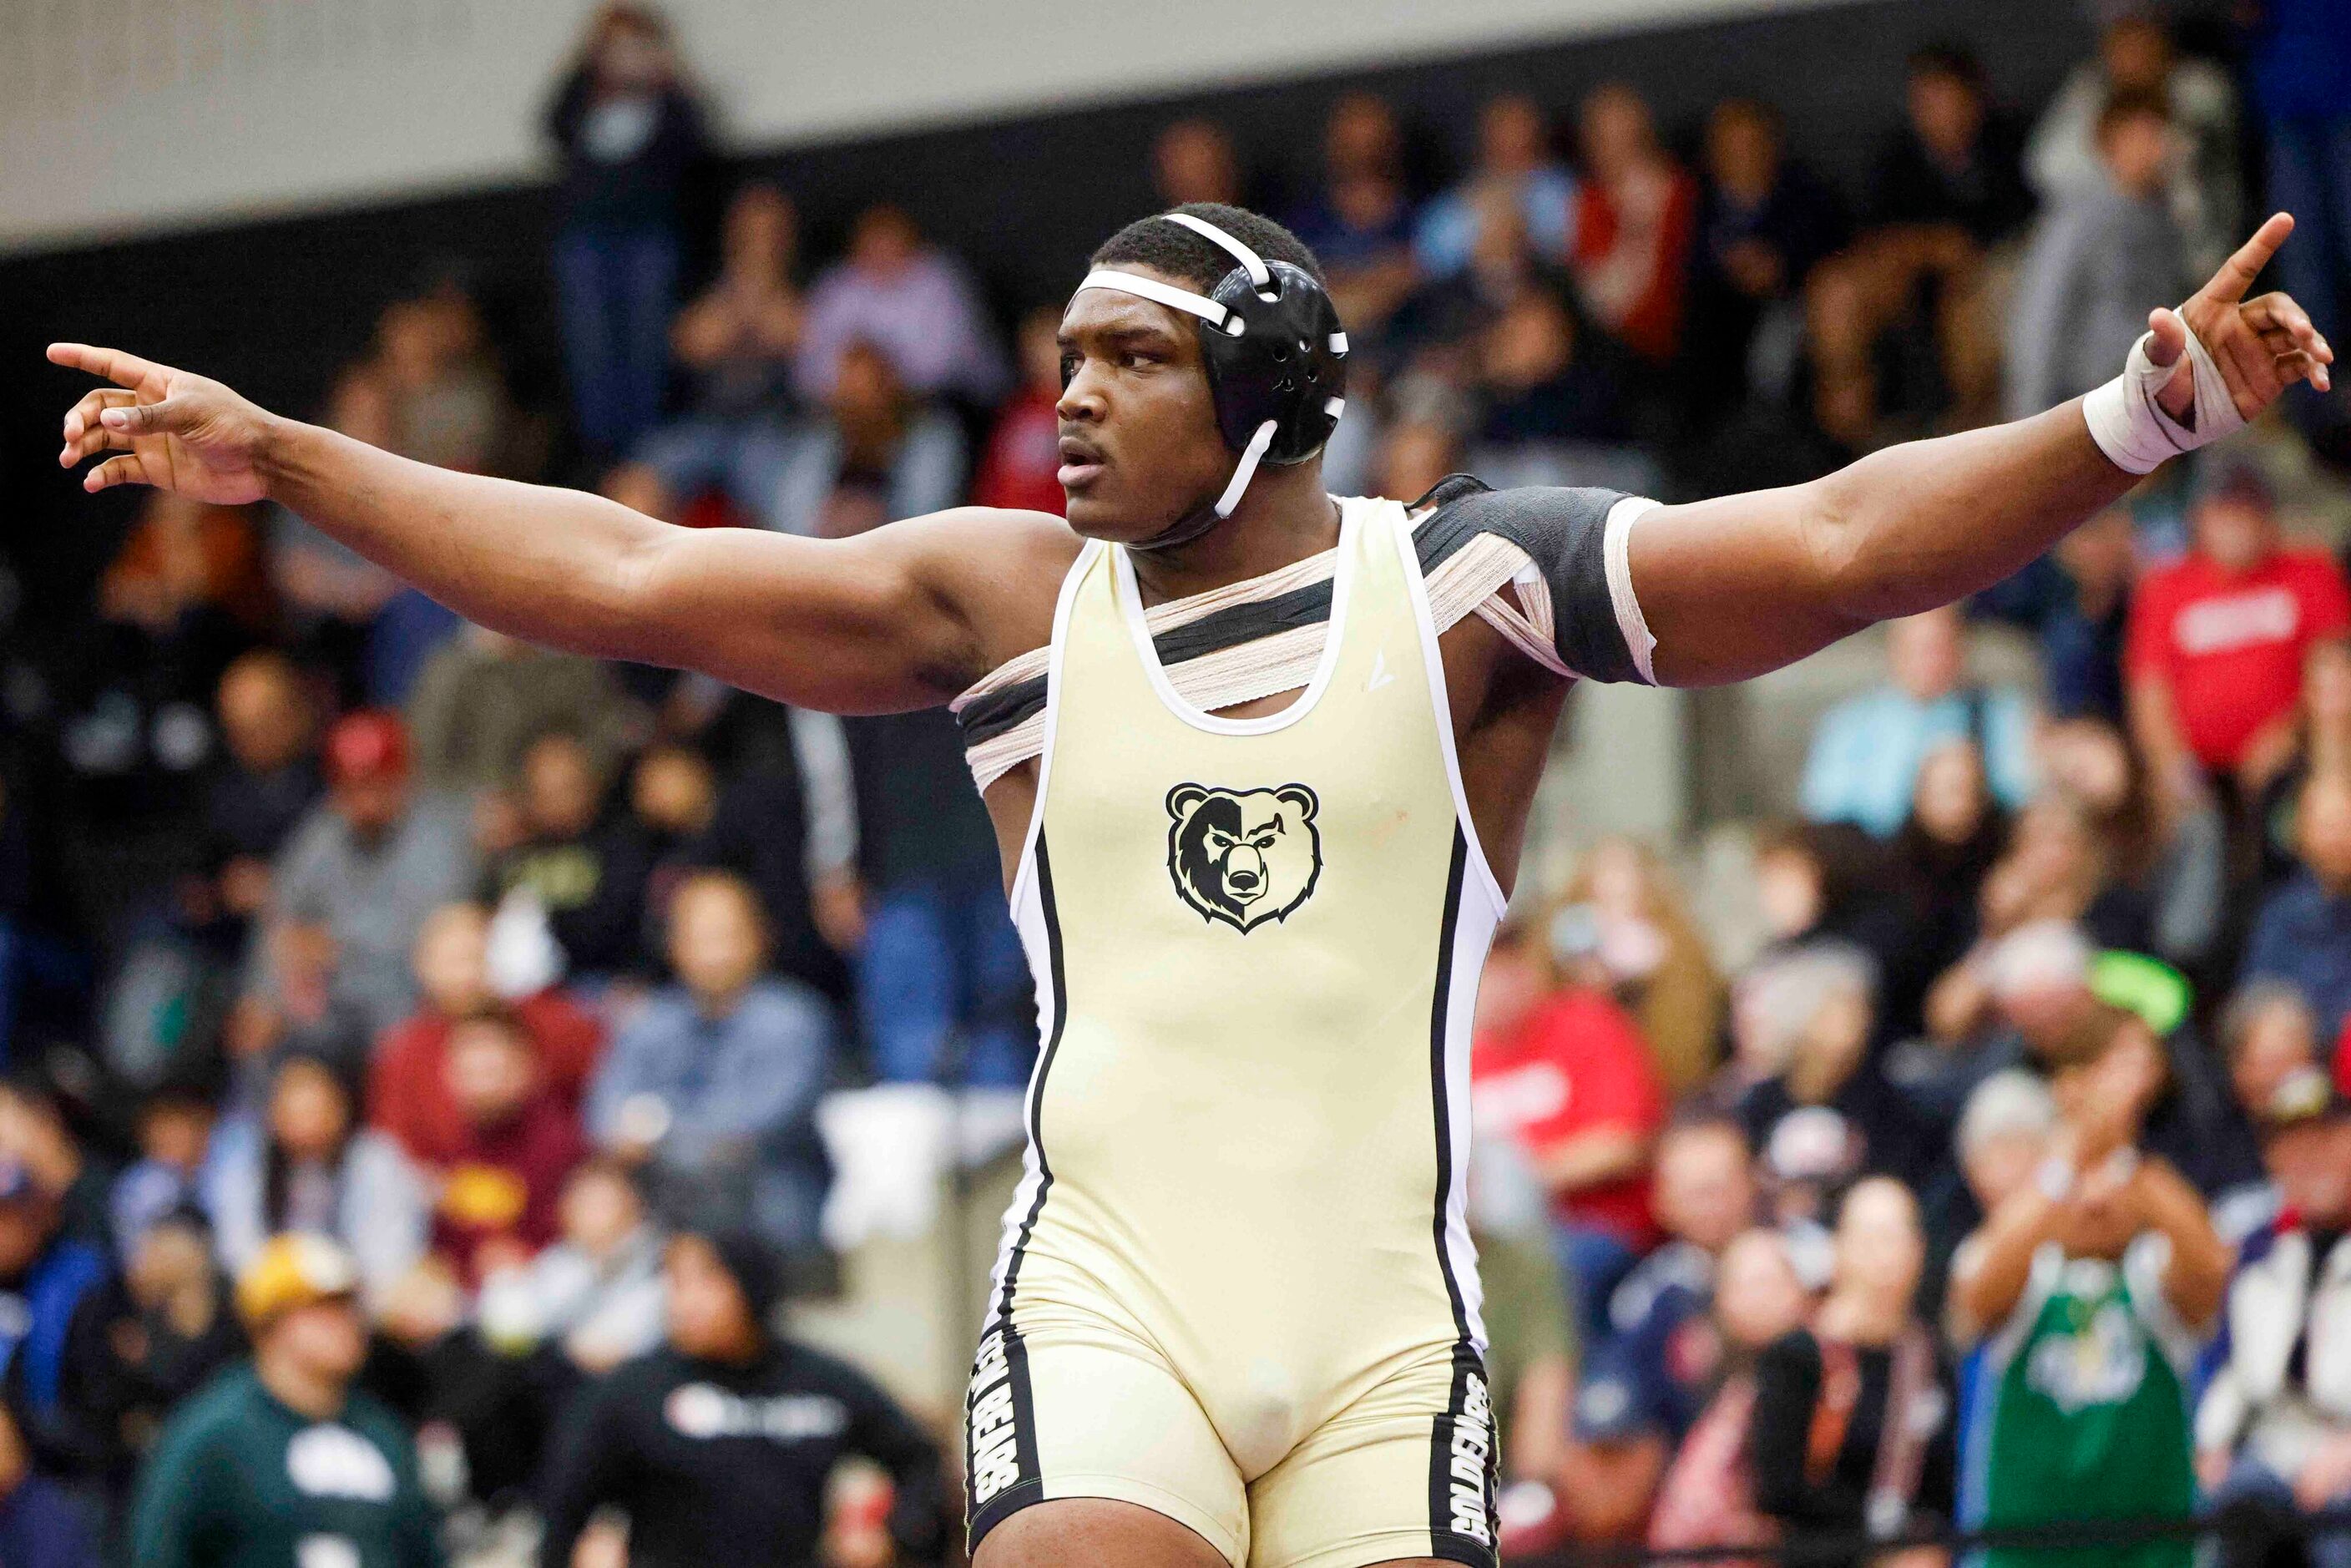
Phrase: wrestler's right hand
x=172 y=430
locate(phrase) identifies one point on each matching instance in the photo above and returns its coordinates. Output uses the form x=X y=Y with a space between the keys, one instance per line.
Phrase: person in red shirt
x=2217 y=640
x=1564 y=1072
x=1636 y=217
x=514 y=1145
x=408 y=1092
x=1020 y=466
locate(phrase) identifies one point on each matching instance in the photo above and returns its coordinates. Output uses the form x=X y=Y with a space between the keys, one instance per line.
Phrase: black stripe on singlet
x=1434 y=540
x=999 y=1411
x=1462 y=1482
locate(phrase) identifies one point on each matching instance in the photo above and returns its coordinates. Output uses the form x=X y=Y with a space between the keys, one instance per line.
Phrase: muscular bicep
x=1732 y=587
x=883 y=622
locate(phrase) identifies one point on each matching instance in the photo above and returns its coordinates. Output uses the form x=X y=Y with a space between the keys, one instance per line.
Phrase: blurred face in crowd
x=560 y=790
x=762 y=235
x=26 y=1223
x=1949 y=799
x=2136 y=54
x=309 y=1114
x=2236 y=529
x=1742 y=150
x=1758 y=1295
x=326 y=1341
x=1517 y=978
x=1832 y=1045
x=1617 y=132
x=633 y=55
x=2105 y=1100
x=174 y=1133
x=884 y=242
x=600 y=1209
x=1879 y=1248
x=673 y=791
x=452 y=959
x=1414 y=456
x=708 y=1318
x=2322 y=830
x=490 y=1070
x=2137 y=150
x=1927 y=654
x=1531 y=342
x=1501 y=254
x=2311 y=1164
x=2089 y=759
x=1140 y=446
x=716 y=940
x=1705 y=1186
x=1790 y=886
x=372 y=802
x=866 y=392
x=1363 y=140
x=169 y=1257
x=2278 y=1040
x=263 y=715
x=1193 y=162
x=2098 y=556
x=1947 y=110
x=2000 y=1163
x=1511 y=136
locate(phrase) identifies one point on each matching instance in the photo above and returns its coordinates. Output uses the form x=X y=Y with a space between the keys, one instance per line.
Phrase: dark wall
x=274 y=307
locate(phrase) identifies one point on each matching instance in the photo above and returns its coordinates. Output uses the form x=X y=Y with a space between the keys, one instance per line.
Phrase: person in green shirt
x=279 y=1463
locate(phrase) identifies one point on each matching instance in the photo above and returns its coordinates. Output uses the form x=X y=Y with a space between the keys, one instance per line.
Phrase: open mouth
x=1081 y=464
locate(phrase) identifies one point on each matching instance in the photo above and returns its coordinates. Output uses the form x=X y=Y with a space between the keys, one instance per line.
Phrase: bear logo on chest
x=1243 y=856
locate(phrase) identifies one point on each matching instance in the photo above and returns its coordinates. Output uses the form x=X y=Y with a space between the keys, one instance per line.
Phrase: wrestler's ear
x=1183 y=799
x=1299 y=796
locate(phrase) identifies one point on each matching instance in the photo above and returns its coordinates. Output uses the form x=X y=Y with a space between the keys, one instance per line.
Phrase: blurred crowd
x=429 y=1058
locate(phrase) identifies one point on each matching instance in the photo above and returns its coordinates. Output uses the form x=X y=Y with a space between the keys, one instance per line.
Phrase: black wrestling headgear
x=1276 y=361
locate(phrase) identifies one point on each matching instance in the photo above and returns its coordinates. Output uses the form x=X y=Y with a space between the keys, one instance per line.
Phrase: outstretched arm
x=879 y=623
x=1733 y=586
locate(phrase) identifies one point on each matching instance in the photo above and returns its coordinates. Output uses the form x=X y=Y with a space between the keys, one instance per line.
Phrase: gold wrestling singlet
x=1236 y=1285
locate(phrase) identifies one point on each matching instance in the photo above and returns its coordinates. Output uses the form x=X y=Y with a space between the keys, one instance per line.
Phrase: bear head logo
x=1243 y=856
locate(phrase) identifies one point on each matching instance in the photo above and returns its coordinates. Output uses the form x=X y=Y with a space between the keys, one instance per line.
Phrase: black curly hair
x=1194 y=258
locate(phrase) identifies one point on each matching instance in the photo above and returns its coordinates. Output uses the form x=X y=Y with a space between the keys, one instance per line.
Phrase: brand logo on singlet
x=991 y=1422
x=1243 y=856
x=1471 y=1458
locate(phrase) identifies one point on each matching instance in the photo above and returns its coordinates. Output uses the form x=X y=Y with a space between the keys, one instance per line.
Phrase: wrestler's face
x=1139 y=448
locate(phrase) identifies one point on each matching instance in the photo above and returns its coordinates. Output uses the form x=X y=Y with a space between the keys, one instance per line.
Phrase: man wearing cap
x=2214 y=649
x=718 y=1446
x=281 y=1463
x=2275 y=1421
x=368 y=864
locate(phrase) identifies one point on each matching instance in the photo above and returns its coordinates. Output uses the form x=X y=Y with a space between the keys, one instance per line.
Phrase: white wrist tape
x=2131 y=428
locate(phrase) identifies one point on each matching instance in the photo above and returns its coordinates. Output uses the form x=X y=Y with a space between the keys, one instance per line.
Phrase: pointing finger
x=2236 y=272
x=121 y=369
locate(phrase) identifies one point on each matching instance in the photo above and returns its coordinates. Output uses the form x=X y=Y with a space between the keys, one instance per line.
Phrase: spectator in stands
x=1516 y=163
x=1852 y=1427
x=630 y=132
x=1864 y=756
x=448 y=405
x=2324 y=726
x=1945 y=195
x=1944 y=850
x=483 y=697
x=711 y=1090
x=581 y=859
x=518 y=1142
x=187 y=593
x=1562 y=1069
x=1707 y=1496
x=2298 y=60
x=265 y=782
x=1764 y=223
x=1554 y=403
x=51 y=1281
x=2090 y=1284
x=1020 y=467
x=1359 y=222
x=875 y=456
x=2082 y=635
x=2137 y=56
x=408 y=1085
x=2274 y=1423
x=45 y=1127
x=369 y=863
x=1635 y=216
x=305 y=1164
x=718 y=1447
x=2165 y=855
x=164 y=1327
x=2268 y=1034
x=909 y=299
x=736 y=344
x=2003 y=1135
x=1662 y=1347
x=2218 y=638
x=285 y=1461
x=174 y=1130
x=1650 y=957
x=2302 y=935
x=1193 y=160
x=2100 y=260
x=594 y=1296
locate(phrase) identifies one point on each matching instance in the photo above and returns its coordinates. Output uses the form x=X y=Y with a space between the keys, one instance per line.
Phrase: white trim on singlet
x=1130 y=603
x=1471 y=936
x=1433 y=662
x=1062 y=607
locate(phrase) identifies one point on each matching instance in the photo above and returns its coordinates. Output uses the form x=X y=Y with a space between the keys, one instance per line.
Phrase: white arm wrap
x=2131 y=428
